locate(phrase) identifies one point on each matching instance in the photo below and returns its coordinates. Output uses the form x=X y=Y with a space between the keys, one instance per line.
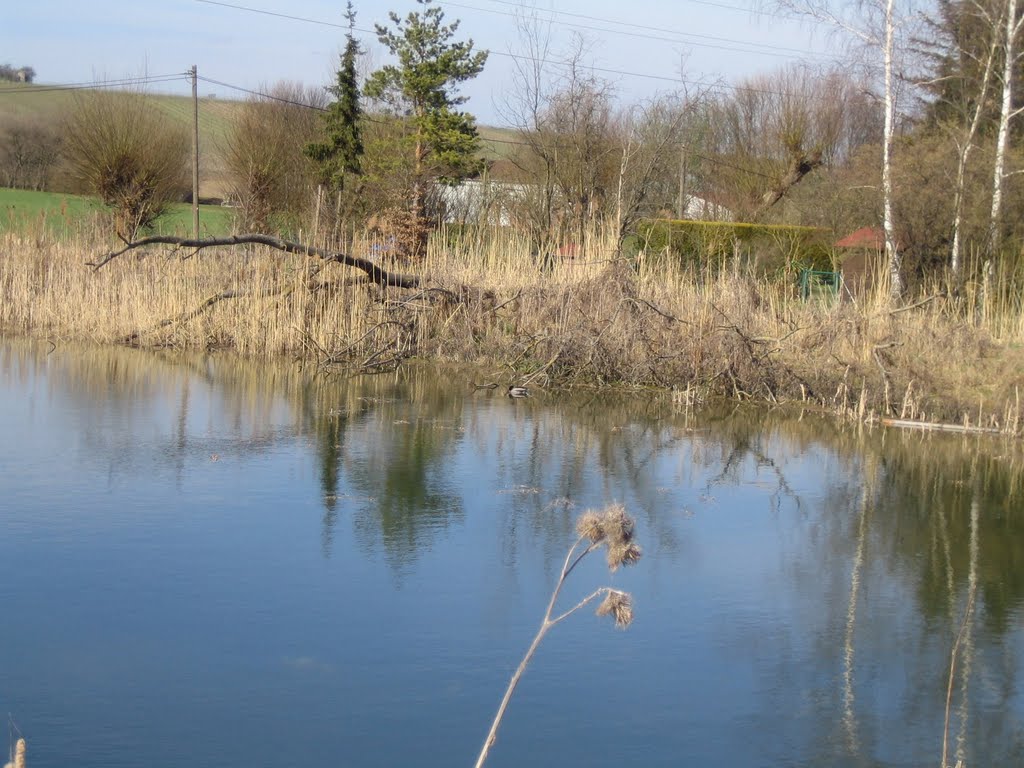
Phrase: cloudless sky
x=71 y=41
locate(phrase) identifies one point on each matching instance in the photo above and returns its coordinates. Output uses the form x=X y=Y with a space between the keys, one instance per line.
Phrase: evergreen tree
x=954 y=51
x=342 y=150
x=423 y=87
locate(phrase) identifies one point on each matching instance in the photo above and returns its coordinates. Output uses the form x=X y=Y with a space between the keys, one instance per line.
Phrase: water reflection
x=804 y=587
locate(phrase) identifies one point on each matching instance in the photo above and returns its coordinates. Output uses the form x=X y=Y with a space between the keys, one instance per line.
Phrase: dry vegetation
x=596 y=319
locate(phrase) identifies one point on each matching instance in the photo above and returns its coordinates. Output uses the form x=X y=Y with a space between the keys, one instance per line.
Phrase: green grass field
x=62 y=214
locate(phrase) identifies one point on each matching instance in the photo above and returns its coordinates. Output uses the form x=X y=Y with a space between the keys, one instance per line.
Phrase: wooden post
x=194 y=73
x=681 y=202
x=316 y=213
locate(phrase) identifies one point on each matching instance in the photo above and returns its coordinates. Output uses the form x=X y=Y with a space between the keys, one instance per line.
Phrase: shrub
x=28 y=152
x=269 y=175
x=122 y=149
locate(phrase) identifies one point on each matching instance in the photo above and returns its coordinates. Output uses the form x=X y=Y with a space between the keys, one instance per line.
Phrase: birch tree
x=879 y=26
x=1011 y=32
x=964 y=44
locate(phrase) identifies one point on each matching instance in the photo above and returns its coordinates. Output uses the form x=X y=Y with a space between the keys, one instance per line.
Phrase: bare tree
x=1013 y=21
x=270 y=177
x=772 y=131
x=879 y=25
x=29 y=150
x=120 y=148
x=586 y=158
x=650 y=136
x=962 y=48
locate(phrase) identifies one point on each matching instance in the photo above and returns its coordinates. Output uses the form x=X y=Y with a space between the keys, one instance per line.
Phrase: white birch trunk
x=955 y=261
x=1005 y=113
x=892 y=253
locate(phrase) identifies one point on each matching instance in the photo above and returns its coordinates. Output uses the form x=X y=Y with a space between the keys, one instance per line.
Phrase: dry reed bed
x=591 y=320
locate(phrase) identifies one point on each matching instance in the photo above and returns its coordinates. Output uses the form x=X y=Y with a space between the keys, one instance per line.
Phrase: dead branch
x=939 y=295
x=508 y=301
x=653 y=308
x=132 y=338
x=375 y=272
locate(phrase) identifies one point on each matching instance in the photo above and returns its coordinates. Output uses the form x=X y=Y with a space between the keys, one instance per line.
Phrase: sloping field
x=42 y=104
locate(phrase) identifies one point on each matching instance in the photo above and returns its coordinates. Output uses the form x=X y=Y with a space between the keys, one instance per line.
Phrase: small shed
x=861 y=256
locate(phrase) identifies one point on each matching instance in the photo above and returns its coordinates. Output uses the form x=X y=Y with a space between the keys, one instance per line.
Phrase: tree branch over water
x=375 y=272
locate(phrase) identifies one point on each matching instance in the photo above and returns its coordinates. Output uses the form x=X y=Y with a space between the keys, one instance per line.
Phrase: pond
x=232 y=563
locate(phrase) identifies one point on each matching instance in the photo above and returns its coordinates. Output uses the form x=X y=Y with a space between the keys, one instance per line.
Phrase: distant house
x=473 y=201
x=703 y=209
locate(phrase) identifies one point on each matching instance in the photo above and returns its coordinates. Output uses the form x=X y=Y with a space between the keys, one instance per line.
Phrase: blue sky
x=74 y=41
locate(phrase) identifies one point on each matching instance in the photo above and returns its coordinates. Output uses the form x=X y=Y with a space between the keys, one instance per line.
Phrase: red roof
x=865 y=237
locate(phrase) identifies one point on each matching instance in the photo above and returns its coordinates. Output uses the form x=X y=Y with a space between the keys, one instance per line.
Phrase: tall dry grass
x=594 y=319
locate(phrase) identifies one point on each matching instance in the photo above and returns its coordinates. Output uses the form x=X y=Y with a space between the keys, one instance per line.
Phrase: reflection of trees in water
x=942 y=521
x=404 y=473
x=919 y=519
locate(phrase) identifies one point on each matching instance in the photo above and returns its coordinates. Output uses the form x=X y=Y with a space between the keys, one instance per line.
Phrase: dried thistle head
x=622 y=553
x=618 y=605
x=591 y=526
x=617 y=524
x=19 y=755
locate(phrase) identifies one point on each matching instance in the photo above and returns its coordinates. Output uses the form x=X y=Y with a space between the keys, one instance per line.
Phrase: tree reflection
x=886 y=533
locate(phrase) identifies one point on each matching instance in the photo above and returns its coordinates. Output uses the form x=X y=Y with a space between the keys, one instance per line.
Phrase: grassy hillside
x=495 y=142
x=23 y=211
x=36 y=103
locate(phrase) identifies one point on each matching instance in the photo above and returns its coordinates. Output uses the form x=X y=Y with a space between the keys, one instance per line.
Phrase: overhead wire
x=747 y=45
x=94 y=85
x=680 y=37
x=100 y=85
x=748 y=10
x=710 y=85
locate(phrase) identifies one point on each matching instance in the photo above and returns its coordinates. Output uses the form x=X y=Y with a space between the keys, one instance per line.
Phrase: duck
x=514 y=391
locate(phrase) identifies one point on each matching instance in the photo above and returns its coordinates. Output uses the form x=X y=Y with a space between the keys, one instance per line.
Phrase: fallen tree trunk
x=375 y=272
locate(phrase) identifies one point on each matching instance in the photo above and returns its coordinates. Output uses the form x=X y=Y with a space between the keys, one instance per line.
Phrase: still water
x=212 y=562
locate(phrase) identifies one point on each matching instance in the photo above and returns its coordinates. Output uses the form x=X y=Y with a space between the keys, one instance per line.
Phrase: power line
x=521 y=57
x=94 y=85
x=775 y=50
x=749 y=47
x=283 y=15
x=726 y=6
x=262 y=95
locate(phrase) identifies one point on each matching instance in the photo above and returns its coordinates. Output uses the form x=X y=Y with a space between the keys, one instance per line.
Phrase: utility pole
x=194 y=74
x=681 y=202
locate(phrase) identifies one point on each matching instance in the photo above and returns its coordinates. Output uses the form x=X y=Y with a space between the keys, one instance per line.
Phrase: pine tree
x=342 y=150
x=423 y=87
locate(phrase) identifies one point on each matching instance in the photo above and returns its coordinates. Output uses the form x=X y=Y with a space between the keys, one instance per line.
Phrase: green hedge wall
x=765 y=247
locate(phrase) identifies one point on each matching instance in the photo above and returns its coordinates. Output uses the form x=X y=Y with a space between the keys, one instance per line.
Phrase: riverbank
x=592 y=320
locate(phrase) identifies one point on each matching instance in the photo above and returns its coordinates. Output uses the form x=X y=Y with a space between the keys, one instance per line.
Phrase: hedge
x=765 y=247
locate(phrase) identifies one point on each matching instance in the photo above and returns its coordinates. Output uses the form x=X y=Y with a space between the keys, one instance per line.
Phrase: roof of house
x=865 y=237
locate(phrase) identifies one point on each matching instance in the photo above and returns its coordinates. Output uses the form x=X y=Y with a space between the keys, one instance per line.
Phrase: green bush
x=767 y=248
